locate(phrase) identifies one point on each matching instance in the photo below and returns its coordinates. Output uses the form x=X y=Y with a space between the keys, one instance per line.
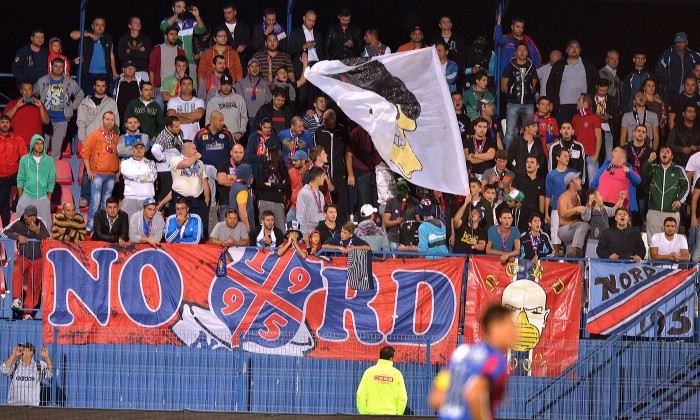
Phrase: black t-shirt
x=465 y=126
x=326 y=232
x=278 y=121
x=226 y=168
x=532 y=189
x=396 y=208
x=127 y=92
x=481 y=146
x=678 y=104
x=465 y=233
x=636 y=156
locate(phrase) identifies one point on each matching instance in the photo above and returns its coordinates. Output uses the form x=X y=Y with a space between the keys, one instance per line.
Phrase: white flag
x=403 y=102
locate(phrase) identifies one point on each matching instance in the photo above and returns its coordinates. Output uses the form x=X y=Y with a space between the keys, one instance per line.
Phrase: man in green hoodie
x=36 y=179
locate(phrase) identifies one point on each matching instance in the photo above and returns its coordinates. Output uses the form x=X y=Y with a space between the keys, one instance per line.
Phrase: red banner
x=546 y=302
x=101 y=293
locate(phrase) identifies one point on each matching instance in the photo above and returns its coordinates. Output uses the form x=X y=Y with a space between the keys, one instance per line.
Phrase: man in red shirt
x=27 y=114
x=12 y=148
x=587 y=126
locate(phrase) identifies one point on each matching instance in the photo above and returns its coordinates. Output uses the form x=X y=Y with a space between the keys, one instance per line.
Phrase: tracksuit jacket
x=36 y=180
x=507 y=44
x=672 y=69
x=667 y=185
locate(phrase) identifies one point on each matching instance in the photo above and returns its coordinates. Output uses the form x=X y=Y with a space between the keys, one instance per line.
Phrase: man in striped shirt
x=68 y=225
x=313 y=119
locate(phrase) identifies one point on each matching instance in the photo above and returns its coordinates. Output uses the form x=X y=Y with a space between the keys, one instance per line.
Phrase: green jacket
x=382 y=390
x=667 y=185
x=150 y=116
x=37 y=180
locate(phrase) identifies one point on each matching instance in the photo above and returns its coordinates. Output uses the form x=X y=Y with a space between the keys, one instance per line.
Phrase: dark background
x=627 y=26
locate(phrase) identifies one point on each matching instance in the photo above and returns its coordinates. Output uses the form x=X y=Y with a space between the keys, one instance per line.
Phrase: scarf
x=255 y=87
x=586 y=111
x=262 y=147
x=109 y=139
x=637 y=155
x=193 y=170
x=535 y=240
x=147 y=227
x=546 y=127
x=276 y=28
x=260 y=240
x=504 y=238
x=177 y=87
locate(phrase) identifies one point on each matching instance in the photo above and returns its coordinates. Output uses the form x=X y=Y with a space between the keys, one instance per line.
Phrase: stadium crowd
x=214 y=135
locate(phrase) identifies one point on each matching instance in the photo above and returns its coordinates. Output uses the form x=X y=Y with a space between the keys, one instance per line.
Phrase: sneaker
x=83 y=203
x=17 y=303
x=28 y=318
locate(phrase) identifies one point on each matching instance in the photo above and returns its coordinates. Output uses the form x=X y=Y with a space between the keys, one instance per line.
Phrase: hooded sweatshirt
x=36 y=179
x=90 y=116
x=53 y=54
x=233 y=107
x=431 y=238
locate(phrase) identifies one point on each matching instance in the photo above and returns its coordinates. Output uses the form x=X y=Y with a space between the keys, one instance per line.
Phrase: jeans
x=694 y=237
x=159 y=99
x=222 y=212
x=608 y=141
x=291 y=215
x=85 y=187
x=366 y=187
x=591 y=168
x=100 y=190
x=513 y=111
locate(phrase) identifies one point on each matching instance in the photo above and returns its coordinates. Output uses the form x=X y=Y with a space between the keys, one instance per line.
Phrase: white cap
x=367 y=210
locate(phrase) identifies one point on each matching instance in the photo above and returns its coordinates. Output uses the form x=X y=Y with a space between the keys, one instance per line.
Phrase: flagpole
x=497 y=78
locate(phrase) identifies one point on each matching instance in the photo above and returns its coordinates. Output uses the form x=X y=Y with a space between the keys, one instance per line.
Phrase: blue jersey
x=466 y=362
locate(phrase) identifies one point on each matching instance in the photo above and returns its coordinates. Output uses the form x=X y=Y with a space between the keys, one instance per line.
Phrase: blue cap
x=127 y=63
x=149 y=201
x=425 y=208
x=292 y=226
x=300 y=155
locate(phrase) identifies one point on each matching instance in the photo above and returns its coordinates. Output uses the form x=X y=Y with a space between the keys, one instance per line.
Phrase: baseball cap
x=573 y=41
x=478 y=210
x=367 y=210
x=484 y=102
x=402 y=187
x=570 y=177
x=226 y=79
x=680 y=37
x=138 y=143
x=30 y=210
x=172 y=28
x=253 y=60
x=149 y=201
x=127 y=63
x=530 y=121
x=300 y=155
x=425 y=208
x=27 y=345
x=416 y=28
x=515 y=195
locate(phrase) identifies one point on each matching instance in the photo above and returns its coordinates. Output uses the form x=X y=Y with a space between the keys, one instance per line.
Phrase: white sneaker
x=28 y=318
x=17 y=303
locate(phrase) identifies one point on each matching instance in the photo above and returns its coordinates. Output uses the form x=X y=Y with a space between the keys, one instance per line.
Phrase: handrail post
x=241 y=373
x=83 y=7
x=54 y=355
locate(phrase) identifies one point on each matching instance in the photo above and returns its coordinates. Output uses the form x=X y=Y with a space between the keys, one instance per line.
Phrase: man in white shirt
x=140 y=175
x=668 y=245
x=188 y=108
x=543 y=72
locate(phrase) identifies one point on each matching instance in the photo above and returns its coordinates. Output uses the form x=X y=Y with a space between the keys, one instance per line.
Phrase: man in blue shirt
x=295 y=139
x=98 y=55
x=432 y=237
x=554 y=187
x=476 y=377
x=183 y=227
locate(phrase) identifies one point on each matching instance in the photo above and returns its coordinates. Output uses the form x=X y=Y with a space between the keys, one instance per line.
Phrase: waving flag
x=403 y=102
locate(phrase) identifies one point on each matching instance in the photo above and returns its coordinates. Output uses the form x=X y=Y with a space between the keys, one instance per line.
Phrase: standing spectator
x=126 y=141
x=373 y=47
x=189 y=24
x=232 y=106
x=480 y=59
x=688 y=96
x=432 y=233
x=26 y=374
x=211 y=83
x=633 y=81
x=111 y=224
x=27 y=114
x=61 y=96
x=147 y=111
x=146 y=225
x=544 y=71
x=587 y=126
x=343 y=40
x=140 y=175
x=56 y=50
x=32 y=60
x=273 y=183
x=258 y=143
x=609 y=73
x=486 y=109
x=362 y=159
x=271 y=56
x=499 y=175
x=370 y=229
x=229 y=232
x=310 y=204
x=328 y=227
x=607 y=109
x=12 y=148
x=675 y=65
x=684 y=140
x=456 y=47
x=504 y=239
x=547 y=126
x=470 y=235
x=267 y=234
x=183 y=227
x=481 y=149
x=310 y=40
x=295 y=139
x=655 y=104
x=638 y=151
x=621 y=241
x=476 y=94
x=69 y=225
x=519 y=83
x=101 y=164
x=36 y=179
x=399 y=209
x=639 y=116
x=28 y=260
x=278 y=111
x=126 y=88
x=533 y=188
x=161 y=63
x=669 y=189
x=416 y=41
x=226 y=177
x=214 y=141
x=312 y=122
x=240 y=196
x=465 y=124
x=555 y=187
x=171 y=87
x=668 y=244
x=319 y=158
x=254 y=90
x=568 y=79
x=269 y=26
x=385 y=185
x=597 y=215
x=449 y=67
x=382 y=389
x=577 y=154
x=572 y=230
x=135 y=47
x=190 y=183
x=347 y=240
x=98 y=55
x=296 y=175
x=618 y=175
x=238 y=31
x=333 y=137
x=535 y=244
x=509 y=44
x=526 y=146
x=232 y=61
x=188 y=108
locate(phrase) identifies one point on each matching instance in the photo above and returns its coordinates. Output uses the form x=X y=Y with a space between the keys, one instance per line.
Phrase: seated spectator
x=168 y=145
x=618 y=175
x=399 y=209
x=267 y=234
x=210 y=84
x=229 y=232
x=347 y=240
x=295 y=139
x=258 y=142
x=28 y=259
x=598 y=216
x=147 y=111
x=669 y=245
x=273 y=183
x=139 y=175
x=621 y=241
x=684 y=138
x=504 y=239
x=111 y=224
x=214 y=141
x=292 y=240
x=131 y=136
x=188 y=108
x=226 y=177
x=370 y=229
x=667 y=192
x=232 y=106
x=572 y=230
x=296 y=175
x=310 y=203
x=535 y=244
x=481 y=149
x=432 y=237
x=499 y=175
x=240 y=197
x=27 y=114
x=171 y=86
x=526 y=145
x=183 y=227
x=36 y=179
x=313 y=243
x=328 y=226
x=146 y=225
x=69 y=225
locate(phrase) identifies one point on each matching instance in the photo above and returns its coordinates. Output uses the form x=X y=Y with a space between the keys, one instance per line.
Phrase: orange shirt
x=101 y=148
x=408 y=47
